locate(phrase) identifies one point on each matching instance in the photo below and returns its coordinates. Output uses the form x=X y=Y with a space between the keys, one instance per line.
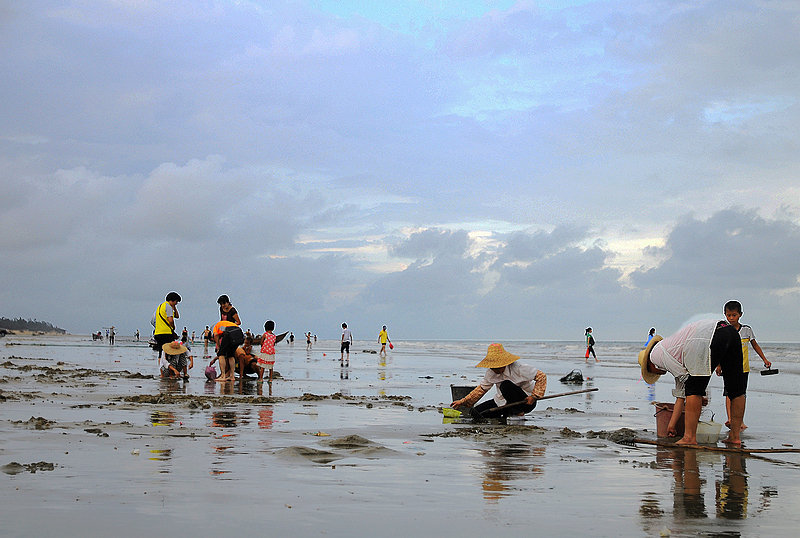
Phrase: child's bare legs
x=270 y=376
x=728 y=410
x=737 y=413
x=260 y=371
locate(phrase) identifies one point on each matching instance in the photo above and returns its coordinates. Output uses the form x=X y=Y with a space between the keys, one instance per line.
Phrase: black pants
x=512 y=393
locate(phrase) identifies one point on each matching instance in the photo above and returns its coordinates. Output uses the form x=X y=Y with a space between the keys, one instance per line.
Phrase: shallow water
x=270 y=468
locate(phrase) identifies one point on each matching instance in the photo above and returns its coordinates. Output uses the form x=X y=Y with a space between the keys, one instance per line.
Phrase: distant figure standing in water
x=308 y=341
x=590 y=345
x=206 y=338
x=111 y=336
x=347 y=339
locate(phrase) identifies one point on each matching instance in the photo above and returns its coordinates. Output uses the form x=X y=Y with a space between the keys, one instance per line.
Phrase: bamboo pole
x=736 y=450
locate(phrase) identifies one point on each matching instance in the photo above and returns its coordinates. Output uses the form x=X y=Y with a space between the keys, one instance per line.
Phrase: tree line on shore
x=20 y=324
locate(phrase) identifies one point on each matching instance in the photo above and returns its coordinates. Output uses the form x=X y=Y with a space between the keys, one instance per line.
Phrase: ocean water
x=265 y=468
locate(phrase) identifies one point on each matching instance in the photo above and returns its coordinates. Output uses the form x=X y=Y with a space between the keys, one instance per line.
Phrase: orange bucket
x=663 y=416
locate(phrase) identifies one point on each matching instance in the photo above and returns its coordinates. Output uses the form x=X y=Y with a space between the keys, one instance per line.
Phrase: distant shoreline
x=14 y=332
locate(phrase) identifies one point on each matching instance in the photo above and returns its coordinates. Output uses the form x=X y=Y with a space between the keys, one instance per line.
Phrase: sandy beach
x=95 y=444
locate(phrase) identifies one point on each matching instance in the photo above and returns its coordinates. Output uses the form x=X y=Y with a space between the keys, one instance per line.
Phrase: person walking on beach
x=650 y=336
x=347 y=339
x=308 y=341
x=516 y=382
x=193 y=337
x=136 y=334
x=733 y=311
x=590 y=345
x=692 y=353
x=383 y=338
x=164 y=321
x=227 y=312
x=111 y=336
x=291 y=339
x=185 y=335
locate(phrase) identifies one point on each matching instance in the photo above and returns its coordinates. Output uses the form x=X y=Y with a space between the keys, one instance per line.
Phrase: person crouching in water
x=515 y=382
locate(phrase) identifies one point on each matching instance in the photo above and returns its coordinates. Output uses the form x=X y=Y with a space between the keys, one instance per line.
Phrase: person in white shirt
x=347 y=339
x=516 y=382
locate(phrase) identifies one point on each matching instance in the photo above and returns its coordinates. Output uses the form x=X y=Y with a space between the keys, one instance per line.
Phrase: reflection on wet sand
x=732 y=489
x=265 y=417
x=224 y=419
x=162 y=418
x=689 y=487
x=506 y=464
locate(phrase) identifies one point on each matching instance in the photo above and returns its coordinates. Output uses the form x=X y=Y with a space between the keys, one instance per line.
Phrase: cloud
x=731 y=249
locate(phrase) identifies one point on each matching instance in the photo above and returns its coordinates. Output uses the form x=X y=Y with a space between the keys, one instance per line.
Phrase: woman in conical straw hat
x=515 y=382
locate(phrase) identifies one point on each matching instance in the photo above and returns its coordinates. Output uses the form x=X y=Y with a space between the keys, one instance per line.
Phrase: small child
x=266 y=359
x=733 y=311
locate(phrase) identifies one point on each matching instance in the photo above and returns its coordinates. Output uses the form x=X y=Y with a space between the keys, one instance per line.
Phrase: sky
x=491 y=170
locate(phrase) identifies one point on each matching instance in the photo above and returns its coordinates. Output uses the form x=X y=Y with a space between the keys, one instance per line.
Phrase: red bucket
x=663 y=416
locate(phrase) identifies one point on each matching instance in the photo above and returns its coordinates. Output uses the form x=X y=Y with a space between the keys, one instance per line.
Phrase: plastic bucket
x=708 y=432
x=458 y=392
x=663 y=416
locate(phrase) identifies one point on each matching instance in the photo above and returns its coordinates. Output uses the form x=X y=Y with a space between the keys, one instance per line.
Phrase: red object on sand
x=391 y=346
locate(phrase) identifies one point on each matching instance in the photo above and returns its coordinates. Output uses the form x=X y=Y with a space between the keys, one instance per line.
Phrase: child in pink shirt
x=266 y=359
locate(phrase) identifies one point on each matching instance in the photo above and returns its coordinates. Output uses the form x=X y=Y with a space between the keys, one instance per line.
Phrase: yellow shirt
x=162 y=319
x=384 y=336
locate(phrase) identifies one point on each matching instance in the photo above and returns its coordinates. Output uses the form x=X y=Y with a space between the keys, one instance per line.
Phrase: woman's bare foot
x=687 y=442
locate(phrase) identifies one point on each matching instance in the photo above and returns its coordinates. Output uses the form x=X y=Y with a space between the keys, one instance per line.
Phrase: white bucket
x=708 y=432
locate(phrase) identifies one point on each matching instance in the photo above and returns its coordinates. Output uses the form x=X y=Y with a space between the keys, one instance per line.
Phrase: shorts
x=177 y=361
x=265 y=360
x=162 y=339
x=345 y=347
x=746 y=376
x=227 y=344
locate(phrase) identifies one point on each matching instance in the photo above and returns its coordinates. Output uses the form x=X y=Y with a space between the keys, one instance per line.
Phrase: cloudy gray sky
x=474 y=169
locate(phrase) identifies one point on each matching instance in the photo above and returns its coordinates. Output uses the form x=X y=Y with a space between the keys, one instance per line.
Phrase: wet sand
x=94 y=444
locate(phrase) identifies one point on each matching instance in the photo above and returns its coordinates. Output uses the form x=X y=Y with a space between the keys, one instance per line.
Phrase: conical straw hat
x=496 y=356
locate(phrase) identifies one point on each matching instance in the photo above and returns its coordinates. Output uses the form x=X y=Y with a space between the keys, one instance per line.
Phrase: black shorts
x=345 y=347
x=229 y=342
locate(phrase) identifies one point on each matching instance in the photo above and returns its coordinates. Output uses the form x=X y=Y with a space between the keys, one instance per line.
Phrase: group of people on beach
x=234 y=348
x=690 y=355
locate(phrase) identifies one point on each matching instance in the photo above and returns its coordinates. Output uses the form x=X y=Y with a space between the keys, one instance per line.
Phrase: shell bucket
x=458 y=392
x=708 y=432
x=663 y=416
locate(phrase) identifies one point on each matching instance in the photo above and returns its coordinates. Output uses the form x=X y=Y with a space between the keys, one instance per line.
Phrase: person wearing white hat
x=690 y=355
x=516 y=383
